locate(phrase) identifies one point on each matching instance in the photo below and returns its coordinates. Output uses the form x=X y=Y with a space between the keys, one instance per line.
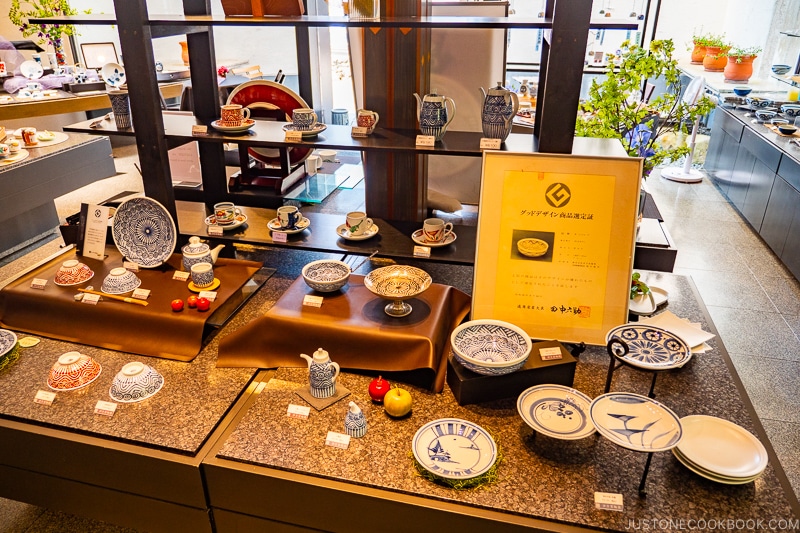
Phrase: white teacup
x=358 y=223
x=304 y=119
x=289 y=216
x=225 y=213
x=436 y=230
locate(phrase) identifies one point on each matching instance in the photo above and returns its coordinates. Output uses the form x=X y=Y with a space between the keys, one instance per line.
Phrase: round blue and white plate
x=636 y=422
x=556 y=411
x=454 y=449
x=651 y=347
x=8 y=339
x=144 y=232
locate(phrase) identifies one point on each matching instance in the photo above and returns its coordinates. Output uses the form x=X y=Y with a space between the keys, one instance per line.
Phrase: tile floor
x=753 y=300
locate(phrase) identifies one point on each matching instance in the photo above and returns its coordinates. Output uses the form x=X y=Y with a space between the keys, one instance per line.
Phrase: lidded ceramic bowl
x=73 y=370
x=490 y=347
x=120 y=281
x=135 y=382
x=326 y=275
x=73 y=272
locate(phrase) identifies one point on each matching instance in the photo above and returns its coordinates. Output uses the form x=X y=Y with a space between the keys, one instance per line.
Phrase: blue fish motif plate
x=454 y=449
x=636 y=422
x=144 y=232
x=651 y=347
x=556 y=411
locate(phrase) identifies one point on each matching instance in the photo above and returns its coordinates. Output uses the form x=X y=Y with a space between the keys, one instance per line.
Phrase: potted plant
x=614 y=108
x=740 y=63
x=716 y=50
x=23 y=10
x=700 y=42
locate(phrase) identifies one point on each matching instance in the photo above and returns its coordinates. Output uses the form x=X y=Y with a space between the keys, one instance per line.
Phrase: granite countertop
x=539 y=477
x=779 y=141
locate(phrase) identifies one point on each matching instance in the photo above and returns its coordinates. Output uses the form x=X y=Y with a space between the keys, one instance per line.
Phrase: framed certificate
x=556 y=236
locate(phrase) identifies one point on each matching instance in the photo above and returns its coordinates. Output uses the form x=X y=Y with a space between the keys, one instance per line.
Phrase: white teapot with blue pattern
x=433 y=115
x=322 y=374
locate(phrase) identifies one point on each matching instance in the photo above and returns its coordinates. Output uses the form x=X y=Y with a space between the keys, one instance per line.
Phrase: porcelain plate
x=454 y=449
x=556 y=411
x=636 y=422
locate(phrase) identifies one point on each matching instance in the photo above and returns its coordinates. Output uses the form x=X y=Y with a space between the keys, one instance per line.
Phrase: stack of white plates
x=720 y=450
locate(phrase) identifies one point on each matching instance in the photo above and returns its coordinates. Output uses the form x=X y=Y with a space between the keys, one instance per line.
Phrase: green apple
x=397 y=402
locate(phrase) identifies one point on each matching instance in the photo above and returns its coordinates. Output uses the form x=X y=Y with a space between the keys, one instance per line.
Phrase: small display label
x=209 y=295
x=608 y=501
x=44 y=397
x=279 y=236
x=294 y=137
x=426 y=140
x=141 y=294
x=337 y=440
x=300 y=412
x=490 y=144
x=312 y=301
x=422 y=251
x=105 y=408
x=199 y=129
x=550 y=354
x=180 y=275
x=38 y=283
x=90 y=299
x=359 y=131
x=130 y=265
x=216 y=231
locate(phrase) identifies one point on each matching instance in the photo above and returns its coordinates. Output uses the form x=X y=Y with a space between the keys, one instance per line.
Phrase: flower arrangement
x=23 y=10
x=614 y=108
x=223 y=71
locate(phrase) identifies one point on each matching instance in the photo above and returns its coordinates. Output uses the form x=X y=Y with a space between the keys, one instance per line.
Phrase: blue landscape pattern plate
x=144 y=232
x=636 y=422
x=454 y=449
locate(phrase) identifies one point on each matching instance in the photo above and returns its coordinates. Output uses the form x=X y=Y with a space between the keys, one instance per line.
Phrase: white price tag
x=279 y=236
x=180 y=275
x=44 y=397
x=608 y=501
x=312 y=301
x=105 y=408
x=359 y=131
x=426 y=140
x=337 y=440
x=199 y=129
x=490 y=144
x=298 y=411
x=550 y=354
x=422 y=251
x=209 y=295
x=130 y=265
x=141 y=294
x=293 y=137
x=38 y=283
x=216 y=231
x=90 y=299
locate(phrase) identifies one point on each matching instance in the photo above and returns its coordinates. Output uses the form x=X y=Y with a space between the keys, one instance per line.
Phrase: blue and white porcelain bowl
x=756 y=102
x=326 y=275
x=120 y=281
x=742 y=91
x=490 y=347
x=780 y=70
x=135 y=382
x=791 y=110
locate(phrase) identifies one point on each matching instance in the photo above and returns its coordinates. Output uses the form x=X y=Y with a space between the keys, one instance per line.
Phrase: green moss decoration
x=12 y=357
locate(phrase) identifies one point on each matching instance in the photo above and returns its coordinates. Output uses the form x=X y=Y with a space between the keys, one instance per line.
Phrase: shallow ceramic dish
x=318 y=128
x=756 y=102
x=345 y=234
x=8 y=340
x=780 y=70
x=490 y=347
x=120 y=281
x=643 y=305
x=135 y=382
x=144 y=232
x=72 y=371
x=722 y=447
x=650 y=347
x=766 y=114
x=245 y=125
x=790 y=110
x=787 y=129
x=397 y=283
x=72 y=272
x=113 y=74
x=326 y=275
x=636 y=422
x=419 y=238
x=556 y=411
x=454 y=449
x=31 y=69
x=742 y=91
x=710 y=475
x=238 y=220
x=302 y=225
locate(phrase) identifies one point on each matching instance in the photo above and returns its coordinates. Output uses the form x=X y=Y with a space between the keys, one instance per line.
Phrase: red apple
x=177 y=305
x=192 y=301
x=397 y=402
x=203 y=304
x=378 y=389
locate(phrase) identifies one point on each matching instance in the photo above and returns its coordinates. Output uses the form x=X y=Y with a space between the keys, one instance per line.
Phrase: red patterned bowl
x=73 y=370
x=73 y=272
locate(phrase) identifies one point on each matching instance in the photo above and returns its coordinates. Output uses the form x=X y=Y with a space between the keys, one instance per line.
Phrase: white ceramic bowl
x=397 y=283
x=120 y=281
x=326 y=275
x=72 y=371
x=73 y=272
x=490 y=347
x=135 y=382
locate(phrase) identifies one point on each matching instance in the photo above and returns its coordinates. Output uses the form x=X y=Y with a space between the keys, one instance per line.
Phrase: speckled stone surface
x=540 y=477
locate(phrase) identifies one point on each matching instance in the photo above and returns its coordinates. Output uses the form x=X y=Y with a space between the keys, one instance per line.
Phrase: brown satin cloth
x=352 y=326
x=154 y=330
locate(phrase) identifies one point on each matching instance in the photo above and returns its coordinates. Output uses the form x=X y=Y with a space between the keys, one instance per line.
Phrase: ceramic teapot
x=499 y=108
x=199 y=252
x=432 y=114
x=322 y=374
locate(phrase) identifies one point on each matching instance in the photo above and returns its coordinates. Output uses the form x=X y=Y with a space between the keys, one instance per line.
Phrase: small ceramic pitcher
x=432 y=114
x=322 y=374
